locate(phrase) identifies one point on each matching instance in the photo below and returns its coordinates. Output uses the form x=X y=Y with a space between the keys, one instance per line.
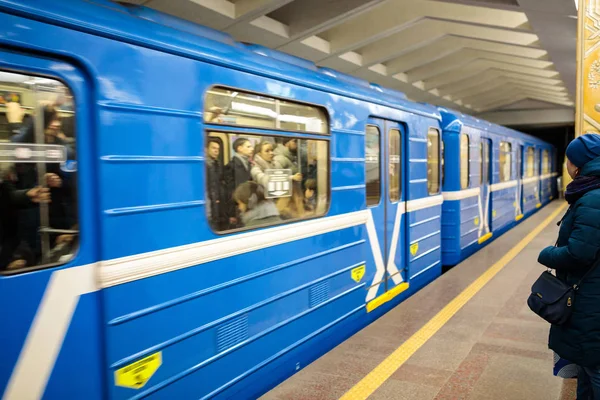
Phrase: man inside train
x=215 y=195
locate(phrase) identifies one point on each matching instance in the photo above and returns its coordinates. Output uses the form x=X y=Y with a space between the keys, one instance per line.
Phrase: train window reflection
x=464 y=161
x=545 y=162
x=505 y=161
x=372 y=165
x=38 y=173
x=264 y=180
x=233 y=107
x=395 y=170
x=433 y=161
x=530 y=162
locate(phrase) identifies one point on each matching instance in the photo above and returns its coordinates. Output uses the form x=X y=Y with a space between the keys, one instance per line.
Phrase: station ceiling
x=512 y=62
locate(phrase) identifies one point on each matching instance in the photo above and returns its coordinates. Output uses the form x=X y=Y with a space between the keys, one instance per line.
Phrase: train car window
x=464 y=161
x=433 y=161
x=264 y=179
x=38 y=173
x=372 y=165
x=505 y=161
x=233 y=107
x=545 y=162
x=395 y=167
x=530 y=162
x=443 y=161
x=481 y=162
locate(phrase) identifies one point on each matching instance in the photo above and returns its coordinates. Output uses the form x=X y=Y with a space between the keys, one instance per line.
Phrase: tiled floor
x=493 y=348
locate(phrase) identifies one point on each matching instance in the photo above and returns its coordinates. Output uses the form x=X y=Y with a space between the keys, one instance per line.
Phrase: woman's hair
x=249 y=193
x=262 y=144
x=239 y=142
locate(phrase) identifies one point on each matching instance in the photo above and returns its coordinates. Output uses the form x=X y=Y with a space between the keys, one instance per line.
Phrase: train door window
x=372 y=165
x=433 y=161
x=233 y=107
x=481 y=163
x=545 y=162
x=464 y=161
x=505 y=161
x=530 y=162
x=443 y=160
x=485 y=161
x=38 y=173
x=395 y=167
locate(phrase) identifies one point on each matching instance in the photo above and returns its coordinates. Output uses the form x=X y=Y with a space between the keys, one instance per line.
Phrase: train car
x=132 y=283
x=146 y=276
x=503 y=176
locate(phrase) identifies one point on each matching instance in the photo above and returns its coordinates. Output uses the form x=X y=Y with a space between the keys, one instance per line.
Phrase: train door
x=385 y=199
x=50 y=345
x=486 y=190
x=520 y=174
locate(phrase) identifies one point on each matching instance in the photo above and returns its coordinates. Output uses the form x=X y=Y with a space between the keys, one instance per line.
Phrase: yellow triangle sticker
x=137 y=374
x=476 y=221
x=358 y=273
x=414 y=248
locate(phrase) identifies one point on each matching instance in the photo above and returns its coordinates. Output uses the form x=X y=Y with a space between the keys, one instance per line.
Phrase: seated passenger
x=310 y=196
x=292 y=207
x=65 y=246
x=255 y=209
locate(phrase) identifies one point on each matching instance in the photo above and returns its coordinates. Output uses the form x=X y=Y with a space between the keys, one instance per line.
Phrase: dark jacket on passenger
x=62 y=209
x=215 y=192
x=577 y=248
x=265 y=213
x=11 y=200
x=234 y=174
x=285 y=158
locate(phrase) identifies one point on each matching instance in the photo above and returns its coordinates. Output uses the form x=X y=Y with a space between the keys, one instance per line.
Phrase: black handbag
x=552 y=299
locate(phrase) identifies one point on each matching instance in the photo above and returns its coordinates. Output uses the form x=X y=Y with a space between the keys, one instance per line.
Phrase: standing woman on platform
x=575 y=253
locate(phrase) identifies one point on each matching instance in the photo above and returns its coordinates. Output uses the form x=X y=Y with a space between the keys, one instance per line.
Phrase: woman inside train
x=574 y=257
x=263 y=160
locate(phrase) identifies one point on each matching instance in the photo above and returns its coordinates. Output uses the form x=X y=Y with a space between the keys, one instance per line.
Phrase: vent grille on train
x=319 y=293
x=231 y=333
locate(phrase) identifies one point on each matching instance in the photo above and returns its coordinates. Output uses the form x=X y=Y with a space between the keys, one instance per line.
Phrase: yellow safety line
x=383 y=371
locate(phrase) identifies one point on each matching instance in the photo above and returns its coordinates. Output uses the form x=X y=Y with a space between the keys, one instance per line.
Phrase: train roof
x=455 y=120
x=149 y=28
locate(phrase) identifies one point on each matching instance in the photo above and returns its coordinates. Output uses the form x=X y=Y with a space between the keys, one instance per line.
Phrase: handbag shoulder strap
x=576 y=286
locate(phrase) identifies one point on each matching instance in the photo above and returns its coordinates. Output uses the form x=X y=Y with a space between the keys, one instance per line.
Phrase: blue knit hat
x=584 y=148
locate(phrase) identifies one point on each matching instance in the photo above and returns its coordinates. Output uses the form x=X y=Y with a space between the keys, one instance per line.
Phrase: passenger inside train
x=38 y=174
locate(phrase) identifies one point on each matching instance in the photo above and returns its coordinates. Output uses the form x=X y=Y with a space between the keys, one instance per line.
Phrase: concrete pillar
x=587 y=118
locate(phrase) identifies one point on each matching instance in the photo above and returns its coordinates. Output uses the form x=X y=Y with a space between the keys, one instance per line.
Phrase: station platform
x=467 y=335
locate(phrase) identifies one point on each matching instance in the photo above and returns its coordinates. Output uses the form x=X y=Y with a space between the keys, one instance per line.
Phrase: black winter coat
x=235 y=174
x=577 y=249
x=216 y=193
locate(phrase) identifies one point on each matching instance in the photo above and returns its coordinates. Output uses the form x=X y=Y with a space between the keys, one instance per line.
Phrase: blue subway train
x=185 y=216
